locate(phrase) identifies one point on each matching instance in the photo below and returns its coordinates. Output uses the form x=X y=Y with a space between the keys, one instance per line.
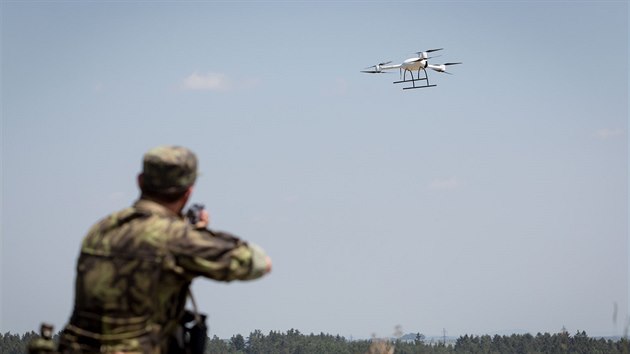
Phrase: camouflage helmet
x=169 y=169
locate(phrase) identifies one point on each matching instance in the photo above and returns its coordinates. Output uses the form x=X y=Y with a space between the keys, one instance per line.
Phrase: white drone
x=419 y=63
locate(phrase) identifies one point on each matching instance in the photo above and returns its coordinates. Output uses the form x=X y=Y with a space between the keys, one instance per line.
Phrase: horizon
x=426 y=337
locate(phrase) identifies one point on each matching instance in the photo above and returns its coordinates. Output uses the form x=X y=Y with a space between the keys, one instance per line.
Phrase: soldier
x=136 y=265
x=44 y=343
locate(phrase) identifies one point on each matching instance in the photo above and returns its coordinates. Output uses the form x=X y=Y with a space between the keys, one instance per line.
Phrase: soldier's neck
x=175 y=206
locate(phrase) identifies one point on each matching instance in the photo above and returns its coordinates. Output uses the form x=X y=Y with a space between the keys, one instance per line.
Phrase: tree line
x=294 y=342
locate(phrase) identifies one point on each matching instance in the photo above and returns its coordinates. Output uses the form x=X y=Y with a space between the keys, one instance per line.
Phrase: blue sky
x=495 y=201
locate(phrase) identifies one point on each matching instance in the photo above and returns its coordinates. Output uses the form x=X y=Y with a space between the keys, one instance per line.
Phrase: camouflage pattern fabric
x=41 y=345
x=133 y=274
x=169 y=169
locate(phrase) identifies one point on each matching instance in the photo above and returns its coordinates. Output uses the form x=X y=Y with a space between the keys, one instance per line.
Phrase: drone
x=417 y=64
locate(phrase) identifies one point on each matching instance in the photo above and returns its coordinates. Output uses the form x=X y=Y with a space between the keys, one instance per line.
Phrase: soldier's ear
x=189 y=191
x=185 y=197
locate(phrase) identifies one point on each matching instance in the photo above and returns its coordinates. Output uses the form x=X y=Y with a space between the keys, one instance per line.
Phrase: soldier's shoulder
x=112 y=219
x=135 y=229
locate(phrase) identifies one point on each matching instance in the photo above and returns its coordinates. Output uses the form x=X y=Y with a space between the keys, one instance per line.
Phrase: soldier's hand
x=268 y=264
x=204 y=220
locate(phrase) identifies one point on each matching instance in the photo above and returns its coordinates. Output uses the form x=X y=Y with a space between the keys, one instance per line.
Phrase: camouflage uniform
x=135 y=268
x=44 y=343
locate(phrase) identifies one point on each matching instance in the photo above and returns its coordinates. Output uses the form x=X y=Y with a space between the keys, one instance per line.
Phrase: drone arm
x=390 y=67
x=439 y=68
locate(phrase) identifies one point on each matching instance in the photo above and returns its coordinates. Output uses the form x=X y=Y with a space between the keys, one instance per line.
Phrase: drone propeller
x=376 y=72
x=425 y=55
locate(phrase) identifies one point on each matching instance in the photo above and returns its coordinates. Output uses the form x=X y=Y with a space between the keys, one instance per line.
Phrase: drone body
x=411 y=65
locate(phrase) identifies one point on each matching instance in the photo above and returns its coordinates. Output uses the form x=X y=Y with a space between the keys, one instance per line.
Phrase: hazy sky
x=496 y=201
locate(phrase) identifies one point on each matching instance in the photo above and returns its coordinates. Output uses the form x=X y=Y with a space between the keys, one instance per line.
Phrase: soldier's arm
x=220 y=256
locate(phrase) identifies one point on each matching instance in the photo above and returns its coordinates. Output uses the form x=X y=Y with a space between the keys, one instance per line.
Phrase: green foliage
x=294 y=342
x=237 y=343
x=558 y=343
x=217 y=346
x=15 y=343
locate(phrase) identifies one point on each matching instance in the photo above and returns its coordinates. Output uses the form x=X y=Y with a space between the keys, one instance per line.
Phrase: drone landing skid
x=415 y=87
x=413 y=82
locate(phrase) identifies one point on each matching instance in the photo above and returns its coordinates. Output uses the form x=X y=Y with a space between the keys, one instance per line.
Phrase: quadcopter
x=417 y=64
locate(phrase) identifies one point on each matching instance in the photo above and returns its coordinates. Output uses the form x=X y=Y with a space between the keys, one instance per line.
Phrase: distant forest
x=294 y=342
